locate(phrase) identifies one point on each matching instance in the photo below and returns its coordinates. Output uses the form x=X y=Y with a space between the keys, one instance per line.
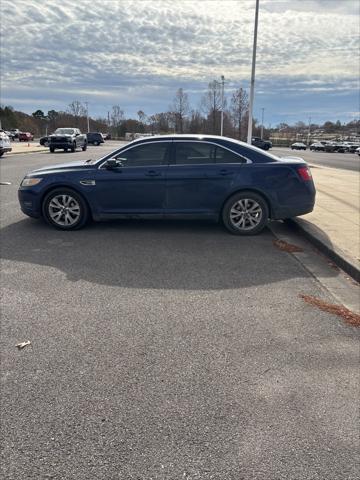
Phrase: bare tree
x=211 y=104
x=180 y=108
x=117 y=116
x=77 y=109
x=239 y=107
x=142 y=119
x=117 y=119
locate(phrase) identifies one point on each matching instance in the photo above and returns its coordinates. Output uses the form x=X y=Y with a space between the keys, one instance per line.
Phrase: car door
x=138 y=186
x=198 y=181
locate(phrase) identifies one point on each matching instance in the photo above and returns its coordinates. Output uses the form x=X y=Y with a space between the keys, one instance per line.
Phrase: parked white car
x=5 y=145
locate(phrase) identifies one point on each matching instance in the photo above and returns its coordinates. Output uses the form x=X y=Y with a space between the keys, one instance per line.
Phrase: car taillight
x=305 y=173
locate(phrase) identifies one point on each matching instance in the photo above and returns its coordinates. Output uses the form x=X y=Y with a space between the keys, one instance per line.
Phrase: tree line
x=179 y=118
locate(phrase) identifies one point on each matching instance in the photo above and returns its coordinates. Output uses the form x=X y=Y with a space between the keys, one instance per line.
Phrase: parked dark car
x=298 y=146
x=26 y=137
x=94 y=138
x=260 y=143
x=67 y=139
x=317 y=147
x=187 y=176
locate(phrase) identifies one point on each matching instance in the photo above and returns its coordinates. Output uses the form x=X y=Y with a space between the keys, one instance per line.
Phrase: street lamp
x=262 y=122
x=222 y=105
x=252 y=84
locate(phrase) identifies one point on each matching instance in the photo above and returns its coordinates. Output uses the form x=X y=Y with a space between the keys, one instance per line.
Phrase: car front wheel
x=245 y=213
x=84 y=147
x=65 y=209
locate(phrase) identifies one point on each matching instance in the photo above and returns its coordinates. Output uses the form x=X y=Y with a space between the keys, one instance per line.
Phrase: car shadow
x=162 y=254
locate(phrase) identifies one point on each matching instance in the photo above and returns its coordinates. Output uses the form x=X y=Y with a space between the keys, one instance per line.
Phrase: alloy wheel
x=64 y=210
x=245 y=214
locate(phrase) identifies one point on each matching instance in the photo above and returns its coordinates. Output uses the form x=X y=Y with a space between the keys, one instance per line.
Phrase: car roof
x=186 y=136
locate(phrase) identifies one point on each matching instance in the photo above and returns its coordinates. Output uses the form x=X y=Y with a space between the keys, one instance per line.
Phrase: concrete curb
x=42 y=149
x=317 y=238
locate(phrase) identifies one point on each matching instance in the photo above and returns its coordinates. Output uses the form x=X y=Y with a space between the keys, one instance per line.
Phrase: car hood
x=61 y=135
x=63 y=166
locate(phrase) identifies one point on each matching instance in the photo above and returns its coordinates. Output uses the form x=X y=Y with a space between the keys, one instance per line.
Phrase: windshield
x=65 y=131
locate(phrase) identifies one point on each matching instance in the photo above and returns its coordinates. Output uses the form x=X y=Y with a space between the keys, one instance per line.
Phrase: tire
x=65 y=150
x=84 y=147
x=52 y=149
x=73 y=147
x=1 y=154
x=96 y=144
x=266 y=147
x=46 y=144
x=245 y=213
x=54 y=209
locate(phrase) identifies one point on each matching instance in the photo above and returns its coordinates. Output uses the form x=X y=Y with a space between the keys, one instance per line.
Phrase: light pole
x=262 y=122
x=252 y=84
x=308 y=142
x=222 y=105
x=87 y=116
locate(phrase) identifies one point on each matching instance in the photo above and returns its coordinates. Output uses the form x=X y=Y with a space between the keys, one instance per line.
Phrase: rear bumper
x=291 y=211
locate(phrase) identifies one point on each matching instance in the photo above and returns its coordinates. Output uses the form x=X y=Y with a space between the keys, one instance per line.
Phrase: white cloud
x=96 y=49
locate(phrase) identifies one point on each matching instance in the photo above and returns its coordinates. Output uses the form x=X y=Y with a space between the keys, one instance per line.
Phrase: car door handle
x=226 y=172
x=152 y=173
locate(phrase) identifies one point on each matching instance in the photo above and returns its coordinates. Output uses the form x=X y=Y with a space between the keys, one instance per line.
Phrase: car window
x=146 y=154
x=194 y=153
x=222 y=155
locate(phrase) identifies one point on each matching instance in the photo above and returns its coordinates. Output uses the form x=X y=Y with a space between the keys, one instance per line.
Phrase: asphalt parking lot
x=345 y=161
x=166 y=350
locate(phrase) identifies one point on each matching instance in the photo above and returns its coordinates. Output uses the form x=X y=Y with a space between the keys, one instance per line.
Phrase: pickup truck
x=67 y=139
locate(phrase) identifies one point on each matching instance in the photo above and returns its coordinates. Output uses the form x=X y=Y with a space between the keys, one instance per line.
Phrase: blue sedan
x=182 y=176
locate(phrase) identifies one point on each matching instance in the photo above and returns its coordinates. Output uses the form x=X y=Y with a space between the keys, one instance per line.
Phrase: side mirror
x=112 y=163
x=77 y=134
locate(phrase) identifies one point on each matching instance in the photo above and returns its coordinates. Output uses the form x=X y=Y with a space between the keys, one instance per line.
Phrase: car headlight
x=30 y=182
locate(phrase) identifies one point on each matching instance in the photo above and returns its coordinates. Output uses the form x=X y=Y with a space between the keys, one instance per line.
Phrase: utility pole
x=87 y=116
x=262 y=122
x=252 y=84
x=308 y=142
x=222 y=105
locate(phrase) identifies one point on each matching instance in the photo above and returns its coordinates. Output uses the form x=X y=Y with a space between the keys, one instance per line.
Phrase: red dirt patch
x=350 y=317
x=287 y=247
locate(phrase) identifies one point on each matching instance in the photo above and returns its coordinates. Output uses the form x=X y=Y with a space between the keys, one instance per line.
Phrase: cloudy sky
x=138 y=53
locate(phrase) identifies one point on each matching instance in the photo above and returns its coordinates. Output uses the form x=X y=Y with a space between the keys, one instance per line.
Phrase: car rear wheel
x=245 y=213
x=65 y=209
x=73 y=147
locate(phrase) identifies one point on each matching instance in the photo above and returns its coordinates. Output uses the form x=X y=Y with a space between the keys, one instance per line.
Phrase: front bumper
x=5 y=149
x=29 y=202
x=61 y=145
